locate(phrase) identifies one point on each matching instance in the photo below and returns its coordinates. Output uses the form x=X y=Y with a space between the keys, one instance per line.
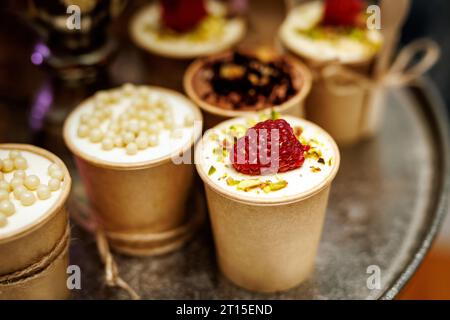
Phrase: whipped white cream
x=345 y=49
x=144 y=28
x=309 y=176
x=170 y=141
x=27 y=215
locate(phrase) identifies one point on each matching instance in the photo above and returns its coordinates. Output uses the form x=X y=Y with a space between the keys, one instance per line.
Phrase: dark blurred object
x=432 y=19
x=76 y=44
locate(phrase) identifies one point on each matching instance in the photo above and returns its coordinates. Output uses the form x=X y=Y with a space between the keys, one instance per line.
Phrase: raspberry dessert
x=266 y=157
x=330 y=30
x=186 y=29
x=132 y=124
x=267 y=179
x=252 y=153
x=30 y=185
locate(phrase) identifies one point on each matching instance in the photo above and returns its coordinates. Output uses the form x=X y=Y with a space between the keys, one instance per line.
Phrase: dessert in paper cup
x=186 y=29
x=125 y=142
x=238 y=83
x=334 y=32
x=34 y=226
x=267 y=183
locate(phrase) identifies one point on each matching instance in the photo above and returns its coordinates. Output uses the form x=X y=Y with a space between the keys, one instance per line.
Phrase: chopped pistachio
x=211 y=171
x=232 y=182
x=248 y=184
x=329 y=162
x=315 y=169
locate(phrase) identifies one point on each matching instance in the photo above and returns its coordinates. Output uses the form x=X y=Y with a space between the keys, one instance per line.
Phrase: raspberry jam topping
x=342 y=12
x=182 y=15
x=267 y=148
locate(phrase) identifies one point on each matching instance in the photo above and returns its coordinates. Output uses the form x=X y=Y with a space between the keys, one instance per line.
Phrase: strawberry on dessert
x=269 y=147
x=182 y=15
x=342 y=12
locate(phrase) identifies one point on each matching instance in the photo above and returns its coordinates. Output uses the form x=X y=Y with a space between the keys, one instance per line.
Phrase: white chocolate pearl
x=3 y=220
x=27 y=198
x=84 y=118
x=8 y=165
x=96 y=135
x=153 y=128
x=54 y=184
x=132 y=148
x=20 y=174
x=20 y=163
x=57 y=174
x=52 y=168
x=83 y=131
x=13 y=154
x=7 y=208
x=153 y=141
x=128 y=88
x=93 y=123
x=128 y=137
x=43 y=192
x=142 y=142
x=4 y=185
x=15 y=182
x=107 y=144
x=18 y=191
x=133 y=126
x=4 y=195
x=118 y=142
x=33 y=181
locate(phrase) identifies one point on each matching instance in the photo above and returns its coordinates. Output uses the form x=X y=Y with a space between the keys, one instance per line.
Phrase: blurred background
x=24 y=82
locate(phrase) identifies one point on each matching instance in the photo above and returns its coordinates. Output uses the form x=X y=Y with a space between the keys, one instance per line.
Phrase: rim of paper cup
x=177 y=54
x=133 y=165
x=56 y=207
x=271 y=201
x=195 y=66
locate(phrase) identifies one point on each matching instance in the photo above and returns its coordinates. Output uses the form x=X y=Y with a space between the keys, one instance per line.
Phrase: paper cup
x=48 y=236
x=267 y=245
x=136 y=198
x=347 y=115
x=213 y=115
x=234 y=31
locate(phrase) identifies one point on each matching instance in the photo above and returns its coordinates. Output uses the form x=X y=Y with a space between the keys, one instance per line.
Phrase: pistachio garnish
x=211 y=170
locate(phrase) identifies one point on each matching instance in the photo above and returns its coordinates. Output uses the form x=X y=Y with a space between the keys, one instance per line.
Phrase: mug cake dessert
x=267 y=180
x=334 y=33
x=236 y=83
x=186 y=29
x=34 y=230
x=125 y=141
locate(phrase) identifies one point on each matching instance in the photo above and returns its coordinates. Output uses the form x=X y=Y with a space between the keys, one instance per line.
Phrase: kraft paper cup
x=234 y=32
x=267 y=245
x=136 y=198
x=27 y=246
x=348 y=115
x=213 y=115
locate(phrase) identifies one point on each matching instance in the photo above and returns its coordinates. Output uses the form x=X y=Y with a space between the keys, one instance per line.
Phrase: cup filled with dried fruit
x=240 y=82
